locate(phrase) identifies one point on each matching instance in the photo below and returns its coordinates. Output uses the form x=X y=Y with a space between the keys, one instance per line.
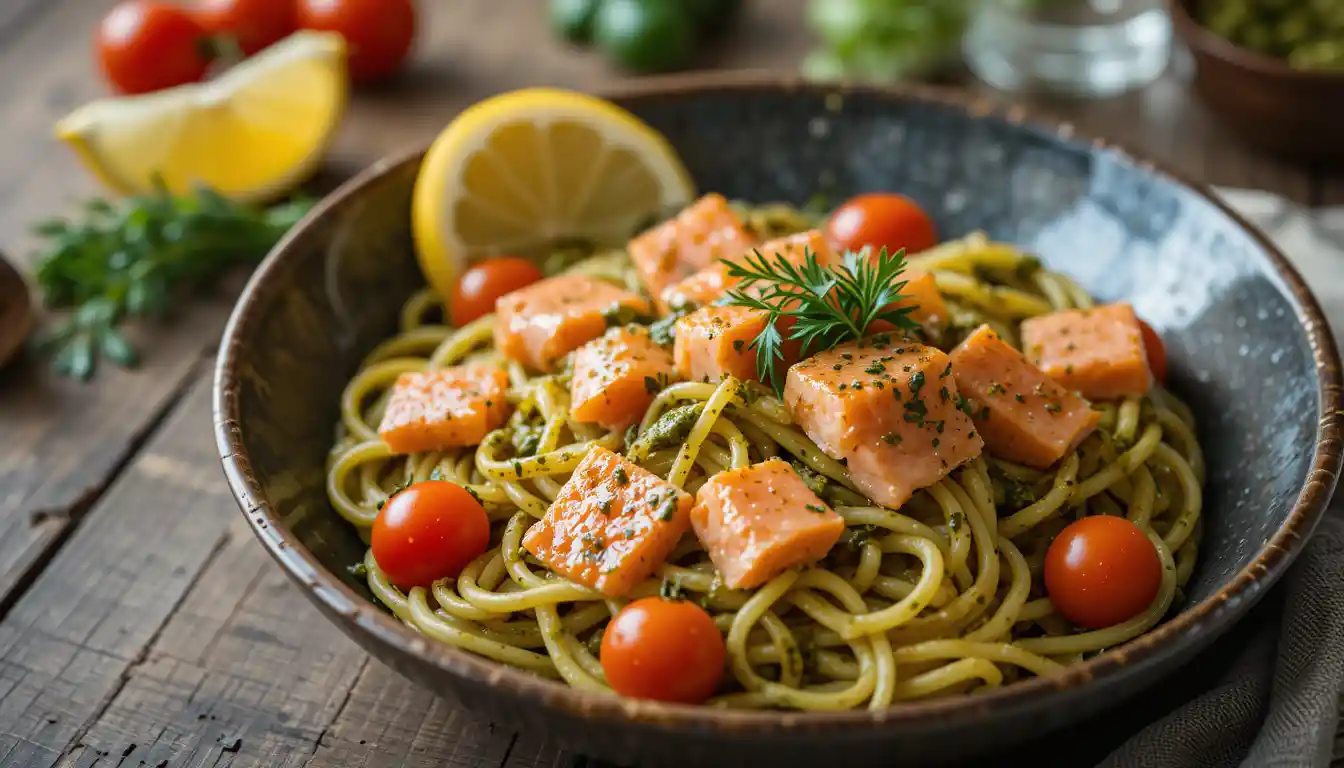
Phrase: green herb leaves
x=135 y=258
x=829 y=305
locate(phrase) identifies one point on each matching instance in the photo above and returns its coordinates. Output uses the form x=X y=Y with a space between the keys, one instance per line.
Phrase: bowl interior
x=1240 y=355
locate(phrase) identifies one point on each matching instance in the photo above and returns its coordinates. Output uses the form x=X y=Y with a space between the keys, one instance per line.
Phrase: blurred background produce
x=1308 y=34
x=643 y=36
x=884 y=40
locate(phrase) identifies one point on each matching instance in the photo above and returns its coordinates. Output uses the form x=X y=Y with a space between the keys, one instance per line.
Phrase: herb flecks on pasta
x=864 y=518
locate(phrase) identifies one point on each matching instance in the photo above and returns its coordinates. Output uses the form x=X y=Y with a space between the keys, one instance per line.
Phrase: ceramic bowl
x=1249 y=351
x=1289 y=112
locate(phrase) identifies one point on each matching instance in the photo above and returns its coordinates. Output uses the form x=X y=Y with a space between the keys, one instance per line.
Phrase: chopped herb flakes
x=916 y=382
x=621 y=477
x=892 y=438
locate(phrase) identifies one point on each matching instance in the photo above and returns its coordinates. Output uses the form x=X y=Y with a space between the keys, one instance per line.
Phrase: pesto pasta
x=943 y=596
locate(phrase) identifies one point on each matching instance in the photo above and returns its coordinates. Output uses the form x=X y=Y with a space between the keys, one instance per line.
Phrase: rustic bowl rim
x=1214 y=614
x=1205 y=41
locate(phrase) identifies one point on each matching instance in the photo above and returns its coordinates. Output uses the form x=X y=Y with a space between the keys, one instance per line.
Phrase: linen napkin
x=1270 y=694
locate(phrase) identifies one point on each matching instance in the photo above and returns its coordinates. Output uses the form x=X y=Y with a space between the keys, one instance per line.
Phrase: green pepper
x=573 y=19
x=645 y=35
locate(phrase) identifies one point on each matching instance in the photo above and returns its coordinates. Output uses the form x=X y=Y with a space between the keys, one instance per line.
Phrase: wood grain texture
x=68 y=645
x=245 y=672
x=64 y=441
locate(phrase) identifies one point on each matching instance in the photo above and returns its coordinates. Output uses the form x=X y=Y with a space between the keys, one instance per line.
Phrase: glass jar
x=1085 y=48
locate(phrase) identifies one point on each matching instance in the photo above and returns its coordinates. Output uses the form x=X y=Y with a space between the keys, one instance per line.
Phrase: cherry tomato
x=146 y=46
x=881 y=220
x=1101 y=571
x=481 y=285
x=378 y=33
x=1157 y=352
x=255 y=24
x=667 y=650
x=428 y=532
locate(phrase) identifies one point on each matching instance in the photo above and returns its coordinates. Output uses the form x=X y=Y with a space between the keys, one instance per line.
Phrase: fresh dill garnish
x=830 y=305
x=138 y=258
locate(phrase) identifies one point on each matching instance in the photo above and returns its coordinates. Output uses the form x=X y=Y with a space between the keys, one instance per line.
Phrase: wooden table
x=140 y=624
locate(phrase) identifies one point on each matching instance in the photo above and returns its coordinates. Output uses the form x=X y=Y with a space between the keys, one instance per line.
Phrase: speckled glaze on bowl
x=1249 y=349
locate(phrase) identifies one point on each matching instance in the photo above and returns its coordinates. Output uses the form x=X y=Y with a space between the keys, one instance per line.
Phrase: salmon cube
x=759 y=521
x=928 y=308
x=612 y=524
x=547 y=320
x=715 y=341
x=889 y=408
x=447 y=408
x=616 y=377
x=712 y=282
x=1097 y=352
x=1023 y=415
x=699 y=236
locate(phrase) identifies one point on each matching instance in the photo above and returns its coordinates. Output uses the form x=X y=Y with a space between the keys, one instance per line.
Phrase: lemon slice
x=521 y=171
x=251 y=134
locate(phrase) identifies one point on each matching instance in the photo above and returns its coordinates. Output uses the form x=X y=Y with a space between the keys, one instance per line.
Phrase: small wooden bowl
x=1289 y=112
x=16 y=311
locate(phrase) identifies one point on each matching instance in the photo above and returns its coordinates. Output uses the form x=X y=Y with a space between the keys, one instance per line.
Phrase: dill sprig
x=138 y=257
x=829 y=305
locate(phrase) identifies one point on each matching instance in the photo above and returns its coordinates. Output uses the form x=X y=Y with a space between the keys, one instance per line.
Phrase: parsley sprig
x=135 y=258
x=830 y=305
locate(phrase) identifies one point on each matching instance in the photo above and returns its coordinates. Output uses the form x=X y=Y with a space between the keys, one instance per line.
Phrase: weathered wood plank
x=67 y=645
x=245 y=672
x=64 y=441
x=388 y=722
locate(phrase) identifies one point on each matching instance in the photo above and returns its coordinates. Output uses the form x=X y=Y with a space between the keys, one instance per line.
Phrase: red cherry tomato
x=255 y=24
x=668 y=650
x=481 y=285
x=1101 y=571
x=428 y=532
x=146 y=46
x=1157 y=352
x=881 y=220
x=378 y=33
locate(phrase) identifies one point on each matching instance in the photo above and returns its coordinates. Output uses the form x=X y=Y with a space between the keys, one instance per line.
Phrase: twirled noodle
x=938 y=598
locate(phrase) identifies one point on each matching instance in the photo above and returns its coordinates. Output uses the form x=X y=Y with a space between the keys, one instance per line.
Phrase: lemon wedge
x=251 y=134
x=521 y=171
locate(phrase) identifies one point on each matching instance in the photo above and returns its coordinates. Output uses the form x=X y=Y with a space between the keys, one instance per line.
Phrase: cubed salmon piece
x=699 y=236
x=616 y=377
x=889 y=409
x=759 y=521
x=713 y=341
x=712 y=282
x=1022 y=414
x=447 y=408
x=543 y=322
x=612 y=524
x=1098 y=352
x=921 y=293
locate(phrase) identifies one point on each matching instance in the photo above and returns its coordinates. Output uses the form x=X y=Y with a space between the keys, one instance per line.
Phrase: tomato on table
x=146 y=46
x=254 y=24
x=379 y=33
x=427 y=532
x=1156 y=351
x=667 y=650
x=1102 y=571
x=483 y=284
x=881 y=220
